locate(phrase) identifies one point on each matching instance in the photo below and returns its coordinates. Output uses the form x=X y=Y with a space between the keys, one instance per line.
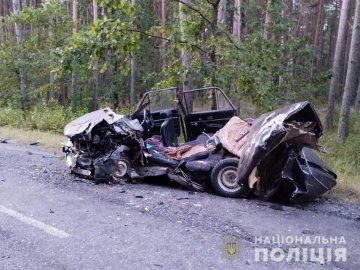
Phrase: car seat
x=167 y=129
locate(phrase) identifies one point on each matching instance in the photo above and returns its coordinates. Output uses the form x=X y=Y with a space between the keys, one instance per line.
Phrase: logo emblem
x=231 y=248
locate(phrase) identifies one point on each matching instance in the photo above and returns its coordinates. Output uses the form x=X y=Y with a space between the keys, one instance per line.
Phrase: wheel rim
x=122 y=168
x=227 y=179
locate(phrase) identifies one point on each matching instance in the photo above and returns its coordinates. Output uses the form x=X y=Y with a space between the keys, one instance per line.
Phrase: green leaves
x=44 y=29
x=266 y=71
x=115 y=34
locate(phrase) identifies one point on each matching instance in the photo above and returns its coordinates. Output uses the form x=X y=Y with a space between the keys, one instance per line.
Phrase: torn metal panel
x=89 y=120
x=269 y=130
x=234 y=135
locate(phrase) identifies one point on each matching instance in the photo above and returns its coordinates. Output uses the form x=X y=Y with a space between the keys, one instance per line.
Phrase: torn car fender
x=271 y=129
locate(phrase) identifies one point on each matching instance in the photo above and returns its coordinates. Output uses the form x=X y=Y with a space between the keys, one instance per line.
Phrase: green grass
x=344 y=159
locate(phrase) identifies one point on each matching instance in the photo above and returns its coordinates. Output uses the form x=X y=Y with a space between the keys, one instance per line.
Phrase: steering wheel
x=147 y=122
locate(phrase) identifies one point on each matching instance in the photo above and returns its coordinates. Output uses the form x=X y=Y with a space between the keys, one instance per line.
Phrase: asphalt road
x=52 y=220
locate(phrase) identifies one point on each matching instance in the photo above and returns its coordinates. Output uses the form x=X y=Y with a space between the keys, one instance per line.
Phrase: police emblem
x=231 y=248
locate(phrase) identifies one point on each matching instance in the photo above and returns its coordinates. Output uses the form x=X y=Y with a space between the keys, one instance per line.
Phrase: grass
x=49 y=140
x=344 y=159
x=346 y=191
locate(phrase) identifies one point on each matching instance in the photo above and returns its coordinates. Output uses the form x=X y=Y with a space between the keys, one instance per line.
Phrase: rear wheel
x=223 y=179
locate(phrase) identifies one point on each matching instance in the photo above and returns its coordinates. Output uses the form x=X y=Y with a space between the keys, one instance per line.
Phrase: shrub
x=12 y=117
x=42 y=117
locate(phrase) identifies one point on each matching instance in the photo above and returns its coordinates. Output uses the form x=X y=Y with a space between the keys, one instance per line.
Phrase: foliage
x=268 y=71
x=41 y=117
x=344 y=158
x=49 y=27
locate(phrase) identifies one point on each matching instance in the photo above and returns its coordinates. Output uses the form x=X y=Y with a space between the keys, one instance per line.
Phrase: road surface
x=50 y=219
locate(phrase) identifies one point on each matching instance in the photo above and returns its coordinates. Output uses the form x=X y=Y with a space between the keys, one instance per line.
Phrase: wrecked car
x=264 y=156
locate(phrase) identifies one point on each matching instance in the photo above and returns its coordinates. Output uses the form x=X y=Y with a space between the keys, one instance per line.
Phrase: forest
x=61 y=58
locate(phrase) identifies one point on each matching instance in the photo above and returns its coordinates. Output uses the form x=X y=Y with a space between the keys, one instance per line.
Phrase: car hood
x=84 y=124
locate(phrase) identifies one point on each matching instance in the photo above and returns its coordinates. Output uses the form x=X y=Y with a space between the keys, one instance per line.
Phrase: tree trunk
x=333 y=36
x=75 y=15
x=95 y=94
x=25 y=102
x=52 y=93
x=237 y=32
x=282 y=42
x=213 y=57
x=2 y=15
x=319 y=24
x=133 y=68
x=188 y=82
x=95 y=11
x=357 y=101
x=336 y=69
x=222 y=11
x=345 y=59
x=237 y=27
x=214 y=32
x=163 y=13
x=163 y=41
x=352 y=77
x=293 y=9
x=318 y=39
x=267 y=35
x=73 y=75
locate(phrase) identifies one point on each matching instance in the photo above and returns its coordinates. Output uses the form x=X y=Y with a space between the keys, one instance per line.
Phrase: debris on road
x=34 y=143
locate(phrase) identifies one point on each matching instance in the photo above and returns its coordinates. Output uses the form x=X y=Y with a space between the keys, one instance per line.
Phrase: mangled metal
x=103 y=144
x=274 y=153
x=266 y=156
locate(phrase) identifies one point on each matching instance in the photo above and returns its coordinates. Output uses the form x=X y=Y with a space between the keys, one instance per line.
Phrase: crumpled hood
x=89 y=120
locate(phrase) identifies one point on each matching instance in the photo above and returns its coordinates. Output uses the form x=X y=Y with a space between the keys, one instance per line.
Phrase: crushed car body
x=267 y=156
x=275 y=153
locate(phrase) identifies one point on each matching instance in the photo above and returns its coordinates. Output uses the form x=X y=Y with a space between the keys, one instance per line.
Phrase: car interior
x=170 y=113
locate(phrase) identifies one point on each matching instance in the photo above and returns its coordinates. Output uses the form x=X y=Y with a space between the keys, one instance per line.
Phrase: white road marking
x=33 y=222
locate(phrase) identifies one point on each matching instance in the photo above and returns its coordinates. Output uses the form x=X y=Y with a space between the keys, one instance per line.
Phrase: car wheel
x=223 y=179
x=123 y=169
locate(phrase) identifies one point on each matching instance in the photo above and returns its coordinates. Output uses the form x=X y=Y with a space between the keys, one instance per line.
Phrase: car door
x=161 y=104
x=207 y=110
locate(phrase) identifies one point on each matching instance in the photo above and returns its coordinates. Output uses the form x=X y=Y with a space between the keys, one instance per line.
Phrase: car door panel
x=208 y=122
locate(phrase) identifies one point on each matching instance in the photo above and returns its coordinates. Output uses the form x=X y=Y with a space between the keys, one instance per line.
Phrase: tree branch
x=230 y=39
x=195 y=10
x=213 y=3
x=164 y=38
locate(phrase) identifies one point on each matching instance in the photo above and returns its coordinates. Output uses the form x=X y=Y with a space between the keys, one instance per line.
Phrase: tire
x=123 y=169
x=223 y=178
